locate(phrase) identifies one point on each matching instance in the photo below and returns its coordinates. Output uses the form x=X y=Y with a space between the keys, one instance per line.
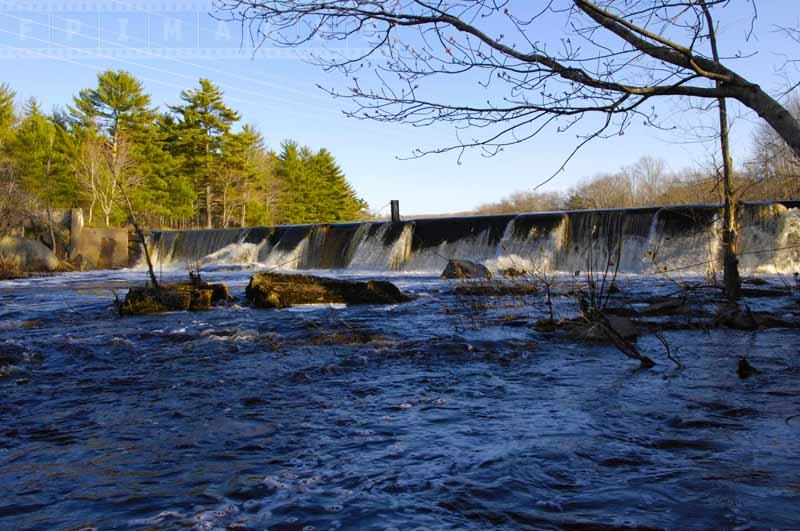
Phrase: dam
x=685 y=238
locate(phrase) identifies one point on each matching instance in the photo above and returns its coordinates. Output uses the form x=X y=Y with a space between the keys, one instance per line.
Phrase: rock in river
x=172 y=298
x=465 y=269
x=274 y=290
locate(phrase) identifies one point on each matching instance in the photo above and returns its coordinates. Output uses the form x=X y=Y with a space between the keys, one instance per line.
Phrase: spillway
x=683 y=238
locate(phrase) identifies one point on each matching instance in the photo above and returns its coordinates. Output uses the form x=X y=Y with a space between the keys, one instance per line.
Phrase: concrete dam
x=683 y=238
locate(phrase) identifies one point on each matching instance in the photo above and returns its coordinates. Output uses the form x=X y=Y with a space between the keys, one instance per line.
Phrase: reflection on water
x=424 y=418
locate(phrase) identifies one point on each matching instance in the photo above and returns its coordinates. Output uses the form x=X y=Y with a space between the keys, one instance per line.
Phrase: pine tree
x=242 y=166
x=7 y=115
x=292 y=169
x=338 y=201
x=119 y=113
x=38 y=164
x=117 y=106
x=315 y=189
x=203 y=128
x=35 y=153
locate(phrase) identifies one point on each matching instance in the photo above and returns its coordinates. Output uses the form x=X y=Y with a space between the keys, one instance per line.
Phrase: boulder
x=465 y=269
x=172 y=298
x=27 y=255
x=274 y=290
x=513 y=272
x=671 y=306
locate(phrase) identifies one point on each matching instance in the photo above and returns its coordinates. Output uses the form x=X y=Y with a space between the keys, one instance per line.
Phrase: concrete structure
x=97 y=248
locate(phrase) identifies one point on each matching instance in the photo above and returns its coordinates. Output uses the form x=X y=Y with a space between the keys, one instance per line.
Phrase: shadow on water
x=379 y=417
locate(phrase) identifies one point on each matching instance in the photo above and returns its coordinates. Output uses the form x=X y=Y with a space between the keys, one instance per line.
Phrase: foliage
x=770 y=174
x=316 y=189
x=202 y=130
x=185 y=167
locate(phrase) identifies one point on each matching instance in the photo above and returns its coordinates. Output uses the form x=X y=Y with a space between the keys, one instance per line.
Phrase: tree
x=203 y=127
x=263 y=199
x=292 y=170
x=240 y=173
x=33 y=151
x=618 y=56
x=119 y=121
x=7 y=114
x=603 y=191
x=314 y=188
x=89 y=166
x=8 y=178
x=774 y=168
x=335 y=199
x=648 y=180
x=117 y=106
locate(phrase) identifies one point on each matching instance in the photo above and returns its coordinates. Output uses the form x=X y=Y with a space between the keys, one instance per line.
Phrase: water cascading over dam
x=682 y=238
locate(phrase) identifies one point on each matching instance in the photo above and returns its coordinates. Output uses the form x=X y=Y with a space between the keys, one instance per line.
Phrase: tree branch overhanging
x=634 y=48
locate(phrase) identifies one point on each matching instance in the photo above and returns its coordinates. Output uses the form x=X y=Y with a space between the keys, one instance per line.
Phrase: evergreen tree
x=37 y=155
x=315 y=189
x=118 y=119
x=134 y=147
x=292 y=169
x=7 y=116
x=203 y=128
x=110 y=138
x=242 y=172
x=118 y=105
x=38 y=165
x=337 y=201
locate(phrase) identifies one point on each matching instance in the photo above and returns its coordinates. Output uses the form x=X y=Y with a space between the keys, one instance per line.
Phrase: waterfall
x=683 y=238
x=382 y=246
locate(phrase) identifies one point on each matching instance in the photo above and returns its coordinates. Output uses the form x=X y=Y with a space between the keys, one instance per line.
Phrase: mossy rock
x=172 y=298
x=274 y=290
x=513 y=272
x=495 y=289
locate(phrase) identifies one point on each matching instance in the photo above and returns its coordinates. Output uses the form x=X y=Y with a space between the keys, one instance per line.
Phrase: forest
x=769 y=172
x=191 y=165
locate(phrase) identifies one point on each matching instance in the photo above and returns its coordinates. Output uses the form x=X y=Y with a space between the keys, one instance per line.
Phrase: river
x=436 y=414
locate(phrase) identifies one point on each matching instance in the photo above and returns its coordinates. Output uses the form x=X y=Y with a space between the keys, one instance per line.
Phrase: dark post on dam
x=395 y=210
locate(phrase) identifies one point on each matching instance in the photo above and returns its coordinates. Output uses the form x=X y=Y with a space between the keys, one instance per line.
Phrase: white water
x=678 y=239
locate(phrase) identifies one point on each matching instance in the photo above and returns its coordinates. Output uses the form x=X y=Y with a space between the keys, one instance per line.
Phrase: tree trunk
x=731 y=279
x=50 y=197
x=208 y=207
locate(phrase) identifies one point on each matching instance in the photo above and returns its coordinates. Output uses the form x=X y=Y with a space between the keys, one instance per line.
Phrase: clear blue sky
x=52 y=49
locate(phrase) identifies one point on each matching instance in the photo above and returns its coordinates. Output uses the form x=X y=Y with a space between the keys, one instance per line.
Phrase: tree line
x=770 y=173
x=189 y=165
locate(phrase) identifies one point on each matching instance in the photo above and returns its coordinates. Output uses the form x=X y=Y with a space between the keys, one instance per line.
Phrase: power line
x=140 y=65
x=97 y=38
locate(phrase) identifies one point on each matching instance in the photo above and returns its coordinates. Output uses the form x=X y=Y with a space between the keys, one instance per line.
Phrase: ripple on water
x=404 y=417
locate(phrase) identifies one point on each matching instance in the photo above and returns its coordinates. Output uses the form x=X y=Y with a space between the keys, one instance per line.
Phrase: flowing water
x=439 y=413
x=638 y=240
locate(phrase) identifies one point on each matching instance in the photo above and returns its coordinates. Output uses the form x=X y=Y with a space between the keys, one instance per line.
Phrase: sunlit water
x=446 y=415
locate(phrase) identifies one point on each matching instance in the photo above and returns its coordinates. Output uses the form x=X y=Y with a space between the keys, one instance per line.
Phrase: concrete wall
x=97 y=248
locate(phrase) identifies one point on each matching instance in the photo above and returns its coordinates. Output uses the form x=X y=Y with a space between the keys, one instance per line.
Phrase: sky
x=52 y=49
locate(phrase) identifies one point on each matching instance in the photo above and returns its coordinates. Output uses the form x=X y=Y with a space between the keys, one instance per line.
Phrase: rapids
x=435 y=414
